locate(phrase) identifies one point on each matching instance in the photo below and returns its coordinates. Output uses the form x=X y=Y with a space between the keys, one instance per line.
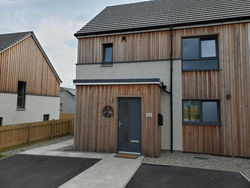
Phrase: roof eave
x=46 y=57
x=78 y=34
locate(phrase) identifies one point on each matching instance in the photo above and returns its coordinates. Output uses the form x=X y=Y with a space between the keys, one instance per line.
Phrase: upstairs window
x=201 y=112
x=108 y=53
x=200 y=53
x=46 y=117
x=21 y=92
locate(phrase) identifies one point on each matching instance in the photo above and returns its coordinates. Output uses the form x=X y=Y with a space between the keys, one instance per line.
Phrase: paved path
x=111 y=172
x=51 y=150
x=36 y=145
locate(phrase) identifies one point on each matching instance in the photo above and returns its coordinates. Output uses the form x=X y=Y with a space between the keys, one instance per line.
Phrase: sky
x=54 y=23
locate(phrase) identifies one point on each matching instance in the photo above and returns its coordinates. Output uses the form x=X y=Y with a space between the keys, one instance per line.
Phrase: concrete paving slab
x=52 y=150
x=111 y=172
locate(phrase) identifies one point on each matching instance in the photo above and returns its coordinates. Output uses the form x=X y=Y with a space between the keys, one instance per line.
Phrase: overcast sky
x=54 y=23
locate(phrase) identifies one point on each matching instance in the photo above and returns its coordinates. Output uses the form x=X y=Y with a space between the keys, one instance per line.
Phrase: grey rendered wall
x=154 y=69
x=68 y=102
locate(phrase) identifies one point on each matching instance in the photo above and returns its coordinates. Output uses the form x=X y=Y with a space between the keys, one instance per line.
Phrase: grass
x=3 y=156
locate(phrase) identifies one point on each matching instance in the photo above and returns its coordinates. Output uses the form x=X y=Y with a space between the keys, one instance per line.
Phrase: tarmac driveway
x=157 y=176
x=28 y=171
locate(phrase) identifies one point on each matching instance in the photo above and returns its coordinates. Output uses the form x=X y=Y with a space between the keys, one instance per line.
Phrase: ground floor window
x=1 y=121
x=201 y=112
x=46 y=117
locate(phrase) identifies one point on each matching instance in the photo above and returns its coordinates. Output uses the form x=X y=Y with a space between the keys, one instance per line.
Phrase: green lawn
x=3 y=156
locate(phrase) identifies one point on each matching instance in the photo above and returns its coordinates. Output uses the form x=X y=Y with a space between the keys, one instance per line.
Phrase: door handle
x=119 y=124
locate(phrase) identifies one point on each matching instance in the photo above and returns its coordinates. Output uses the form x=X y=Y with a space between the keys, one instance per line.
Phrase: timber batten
x=232 y=137
x=24 y=61
x=96 y=133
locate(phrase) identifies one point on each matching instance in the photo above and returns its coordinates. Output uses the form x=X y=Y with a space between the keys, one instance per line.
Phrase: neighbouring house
x=67 y=100
x=165 y=75
x=29 y=85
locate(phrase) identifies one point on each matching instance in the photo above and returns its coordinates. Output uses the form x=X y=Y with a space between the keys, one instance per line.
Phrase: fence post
x=68 y=126
x=52 y=134
x=29 y=137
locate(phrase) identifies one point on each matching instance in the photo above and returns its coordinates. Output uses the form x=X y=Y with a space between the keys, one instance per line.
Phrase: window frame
x=104 y=46
x=200 y=39
x=25 y=86
x=201 y=122
x=61 y=107
x=45 y=115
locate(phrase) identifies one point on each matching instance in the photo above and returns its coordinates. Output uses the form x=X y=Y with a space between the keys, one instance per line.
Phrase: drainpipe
x=171 y=87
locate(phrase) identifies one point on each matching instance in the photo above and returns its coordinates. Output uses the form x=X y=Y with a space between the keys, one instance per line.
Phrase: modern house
x=29 y=85
x=165 y=75
x=67 y=100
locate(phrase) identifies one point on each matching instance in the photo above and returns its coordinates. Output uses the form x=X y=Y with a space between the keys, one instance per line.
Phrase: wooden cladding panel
x=25 y=62
x=95 y=133
x=233 y=136
x=137 y=47
x=201 y=139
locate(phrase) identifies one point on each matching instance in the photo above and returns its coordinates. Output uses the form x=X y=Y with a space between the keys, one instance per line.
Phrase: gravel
x=36 y=145
x=202 y=161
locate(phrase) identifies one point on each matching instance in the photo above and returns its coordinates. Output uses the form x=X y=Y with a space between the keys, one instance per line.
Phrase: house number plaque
x=107 y=111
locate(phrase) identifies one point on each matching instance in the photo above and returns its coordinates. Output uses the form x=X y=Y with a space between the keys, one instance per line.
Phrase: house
x=29 y=85
x=67 y=100
x=165 y=75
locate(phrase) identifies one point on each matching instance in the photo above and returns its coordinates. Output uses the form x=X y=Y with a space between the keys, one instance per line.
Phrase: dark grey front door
x=129 y=125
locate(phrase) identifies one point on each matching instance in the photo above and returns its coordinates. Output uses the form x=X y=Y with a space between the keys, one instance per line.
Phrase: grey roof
x=9 y=39
x=150 y=14
x=71 y=91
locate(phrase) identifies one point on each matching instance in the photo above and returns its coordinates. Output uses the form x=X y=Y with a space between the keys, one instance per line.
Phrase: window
x=199 y=53
x=61 y=106
x=201 y=112
x=21 y=92
x=108 y=53
x=46 y=117
x=208 y=48
x=1 y=121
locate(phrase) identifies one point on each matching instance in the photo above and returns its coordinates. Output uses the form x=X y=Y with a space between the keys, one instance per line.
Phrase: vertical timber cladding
x=233 y=136
x=96 y=133
x=25 y=62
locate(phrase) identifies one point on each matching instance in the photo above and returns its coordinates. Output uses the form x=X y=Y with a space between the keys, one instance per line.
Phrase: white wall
x=35 y=107
x=154 y=69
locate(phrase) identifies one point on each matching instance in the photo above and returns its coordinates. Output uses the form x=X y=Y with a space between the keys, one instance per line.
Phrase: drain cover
x=201 y=158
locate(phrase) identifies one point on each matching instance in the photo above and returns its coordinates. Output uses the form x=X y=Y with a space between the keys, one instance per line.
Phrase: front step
x=125 y=155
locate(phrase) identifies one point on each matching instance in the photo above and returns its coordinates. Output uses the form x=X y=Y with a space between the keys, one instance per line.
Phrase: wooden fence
x=14 y=135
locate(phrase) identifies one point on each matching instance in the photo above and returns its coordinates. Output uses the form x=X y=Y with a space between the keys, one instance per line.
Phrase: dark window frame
x=1 y=121
x=201 y=122
x=104 y=46
x=61 y=107
x=24 y=103
x=46 y=117
x=201 y=38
